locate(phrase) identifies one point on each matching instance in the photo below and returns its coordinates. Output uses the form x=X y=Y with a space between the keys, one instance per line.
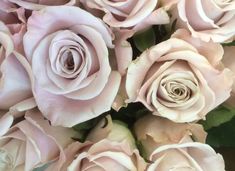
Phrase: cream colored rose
x=33 y=142
x=228 y=61
x=178 y=78
x=186 y=157
x=207 y=19
x=153 y=132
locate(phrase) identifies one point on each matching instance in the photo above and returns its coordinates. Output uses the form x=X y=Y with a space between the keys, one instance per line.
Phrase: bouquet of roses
x=116 y=85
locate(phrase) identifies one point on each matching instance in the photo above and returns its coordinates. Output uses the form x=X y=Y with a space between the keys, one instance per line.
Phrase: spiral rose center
x=69 y=63
x=6 y=161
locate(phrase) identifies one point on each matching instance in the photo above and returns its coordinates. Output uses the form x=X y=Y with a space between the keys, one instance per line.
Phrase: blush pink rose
x=15 y=84
x=103 y=155
x=39 y=4
x=178 y=78
x=32 y=143
x=207 y=19
x=187 y=156
x=153 y=132
x=73 y=80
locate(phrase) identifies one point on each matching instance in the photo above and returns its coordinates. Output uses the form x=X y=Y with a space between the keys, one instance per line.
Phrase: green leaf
x=222 y=136
x=229 y=44
x=144 y=40
x=218 y=116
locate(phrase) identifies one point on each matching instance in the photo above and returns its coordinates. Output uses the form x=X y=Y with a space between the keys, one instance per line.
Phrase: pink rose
x=208 y=20
x=103 y=155
x=14 y=79
x=187 y=156
x=173 y=79
x=110 y=146
x=228 y=61
x=15 y=20
x=39 y=4
x=129 y=13
x=153 y=132
x=70 y=64
x=33 y=142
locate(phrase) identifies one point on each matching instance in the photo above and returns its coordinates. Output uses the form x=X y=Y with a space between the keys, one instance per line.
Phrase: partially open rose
x=188 y=156
x=153 y=132
x=39 y=4
x=70 y=62
x=33 y=142
x=207 y=19
x=173 y=79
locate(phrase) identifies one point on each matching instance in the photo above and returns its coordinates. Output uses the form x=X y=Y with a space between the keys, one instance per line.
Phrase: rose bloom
x=207 y=19
x=126 y=14
x=178 y=78
x=32 y=143
x=110 y=146
x=187 y=156
x=153 y=132
x=73 y=80
x=228 y=61
x=39 y=4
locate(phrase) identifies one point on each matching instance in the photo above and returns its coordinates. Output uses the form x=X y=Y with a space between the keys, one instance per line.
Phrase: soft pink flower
x=103 y=155
x=207 y=19
x=70 y=62
x=32 y=143
x=39 y=4
x=15 y=84
x=178 y=78
x=187 y=156
x=153 y=132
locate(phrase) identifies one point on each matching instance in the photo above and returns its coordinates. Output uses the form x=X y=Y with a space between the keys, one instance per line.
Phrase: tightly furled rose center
x=177 y=89
x=71 y=65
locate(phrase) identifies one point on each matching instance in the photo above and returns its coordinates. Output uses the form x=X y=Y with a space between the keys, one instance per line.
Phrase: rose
x=228 y=61
x=70 y=64
x=110 y=146
x=33 y=142
x=153 y=132
x=103 y=155
x=187 y=156
x=126 y=14
x=111 y=130
x=14 y=80
x=37 y=5
x=174 y=78
x=207 y=20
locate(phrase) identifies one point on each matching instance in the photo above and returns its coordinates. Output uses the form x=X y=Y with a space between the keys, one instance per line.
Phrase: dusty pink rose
x=15 y=20
x=110 y=146
x=33 y=142
x=207 y=19
x=128 y=13
x=228 y=61
x=15 y=85
x=103 y=155
x=39 y=4
x=153 y=132
x=70 y=63
x=188 y=156
x=178 y=78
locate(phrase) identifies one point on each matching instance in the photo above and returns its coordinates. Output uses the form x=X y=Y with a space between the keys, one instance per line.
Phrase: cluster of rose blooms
x=64 y=62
